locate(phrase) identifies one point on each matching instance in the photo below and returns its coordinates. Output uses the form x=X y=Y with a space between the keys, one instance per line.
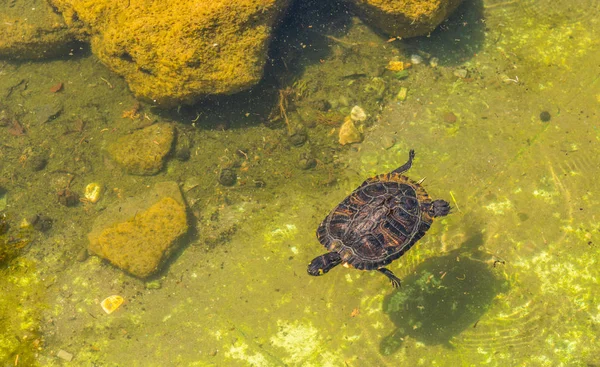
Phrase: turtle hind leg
x=439 y=208
x=388 y=273
x=406 y=166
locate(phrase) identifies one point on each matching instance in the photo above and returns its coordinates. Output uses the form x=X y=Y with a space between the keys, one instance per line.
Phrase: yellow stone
x=349 y=133
x=139 y=234
x=92 y=192
x=395 y=65
x=110 y=304
x=141 y=244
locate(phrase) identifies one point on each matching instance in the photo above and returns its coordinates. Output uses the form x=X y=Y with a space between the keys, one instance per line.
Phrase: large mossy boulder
x=404 y=18
x=138 y=235
x=175 y=52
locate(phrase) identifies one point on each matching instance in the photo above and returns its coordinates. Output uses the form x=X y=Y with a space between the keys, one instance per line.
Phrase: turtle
x=377 y=223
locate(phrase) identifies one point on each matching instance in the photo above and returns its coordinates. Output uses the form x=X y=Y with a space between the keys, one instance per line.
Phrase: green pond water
x=509 y=278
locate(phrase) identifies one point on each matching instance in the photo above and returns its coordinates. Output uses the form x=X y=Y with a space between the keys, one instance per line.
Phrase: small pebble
x=450 y=117
x=387 y=142
x=259 y=183
x=402 y=94
x=416 y=59
x=403 y=74
x=545 y=116
x=321 y=105
x=307 y=162
x=62 y=354
x=155 y=284
x=358 y=114
x=41 y=222
x=37 y=161
x=82 y=255
x=434 y=62
x=298 y=138
x=461 y=73
x=67 y=197
x=227 y=177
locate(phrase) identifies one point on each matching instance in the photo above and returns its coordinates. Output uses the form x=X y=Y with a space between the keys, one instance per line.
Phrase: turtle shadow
x=442 y=297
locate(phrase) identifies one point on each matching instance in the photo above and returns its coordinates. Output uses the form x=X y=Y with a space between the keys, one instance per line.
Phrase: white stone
x=358 y=114
x=416 y=59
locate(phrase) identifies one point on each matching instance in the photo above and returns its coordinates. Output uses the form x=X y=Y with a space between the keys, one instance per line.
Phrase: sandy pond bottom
x=509 y=279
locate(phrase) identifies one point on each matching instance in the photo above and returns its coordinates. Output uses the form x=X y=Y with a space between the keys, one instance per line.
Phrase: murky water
x=510 y=278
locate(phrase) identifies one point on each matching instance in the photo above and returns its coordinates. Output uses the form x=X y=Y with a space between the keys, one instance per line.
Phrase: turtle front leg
x=394 y=279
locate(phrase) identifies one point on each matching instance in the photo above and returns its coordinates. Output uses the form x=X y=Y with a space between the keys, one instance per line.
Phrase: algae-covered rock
x=32 y=30
x=138 y=235
x=349 y=133
x=404 y=18
x=174 y=52
x=143 y=152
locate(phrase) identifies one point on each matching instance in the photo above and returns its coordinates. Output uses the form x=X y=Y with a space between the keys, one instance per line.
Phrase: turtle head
x=322 y=264
x=438 y=208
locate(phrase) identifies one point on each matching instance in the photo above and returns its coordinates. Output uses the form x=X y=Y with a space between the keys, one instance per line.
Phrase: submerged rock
x=401 y=18
x=138 y=235
x=144 y=151
x=42 y=112
x=349 y=133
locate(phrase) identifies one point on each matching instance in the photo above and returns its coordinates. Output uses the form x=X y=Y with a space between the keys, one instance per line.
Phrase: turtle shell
x=378 y=222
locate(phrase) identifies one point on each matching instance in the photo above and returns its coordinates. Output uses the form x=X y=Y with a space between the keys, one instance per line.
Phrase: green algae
x=21 y=312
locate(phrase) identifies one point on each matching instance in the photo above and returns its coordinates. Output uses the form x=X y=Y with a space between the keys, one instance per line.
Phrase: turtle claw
x=394 y=279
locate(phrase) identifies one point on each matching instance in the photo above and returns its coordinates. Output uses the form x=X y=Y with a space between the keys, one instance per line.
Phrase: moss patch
x=20 y=309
